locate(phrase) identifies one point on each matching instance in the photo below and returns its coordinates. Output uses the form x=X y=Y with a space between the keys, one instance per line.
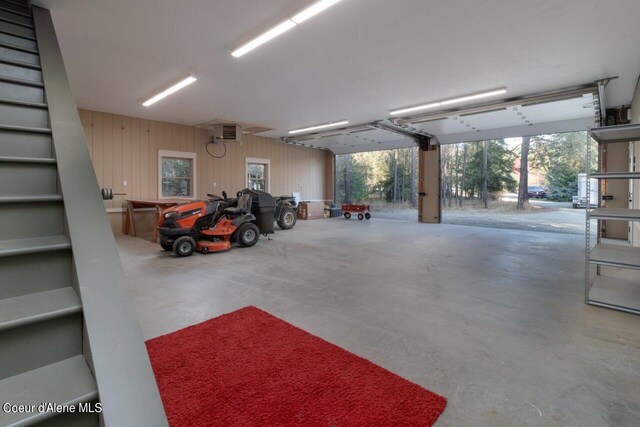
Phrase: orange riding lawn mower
x=214 y=224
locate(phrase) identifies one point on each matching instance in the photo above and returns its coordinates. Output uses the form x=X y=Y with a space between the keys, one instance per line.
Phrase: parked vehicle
x=208 y=226
x=536 y=192
x=263 y=207
x=285 y=209
x=286 y=212
x=580 y=200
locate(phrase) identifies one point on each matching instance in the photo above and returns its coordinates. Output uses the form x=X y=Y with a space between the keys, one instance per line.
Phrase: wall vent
x=227 y=132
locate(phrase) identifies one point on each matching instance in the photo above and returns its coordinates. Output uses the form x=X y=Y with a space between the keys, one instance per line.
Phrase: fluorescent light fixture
x=313 y=10
x=298 y=18
x=176 y=87
x=318 y=127
x=264 y=37
x=448 y=102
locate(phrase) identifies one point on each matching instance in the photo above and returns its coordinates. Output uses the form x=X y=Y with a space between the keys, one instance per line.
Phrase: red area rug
x=249 y=368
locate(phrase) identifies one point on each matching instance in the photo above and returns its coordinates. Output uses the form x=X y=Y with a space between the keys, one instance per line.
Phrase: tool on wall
x=107 y=193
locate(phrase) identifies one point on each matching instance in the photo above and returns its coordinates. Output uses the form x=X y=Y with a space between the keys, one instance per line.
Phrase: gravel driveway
x=554 y=217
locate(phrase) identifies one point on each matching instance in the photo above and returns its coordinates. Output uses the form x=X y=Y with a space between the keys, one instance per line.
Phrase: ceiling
x=355 y=61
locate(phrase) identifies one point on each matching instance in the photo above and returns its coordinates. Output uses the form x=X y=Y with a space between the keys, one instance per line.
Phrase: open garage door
x=569 y=110
x=357 y=139
x=568 y=115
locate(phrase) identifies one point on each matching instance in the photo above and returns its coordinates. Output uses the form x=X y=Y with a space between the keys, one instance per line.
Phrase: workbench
x=158 y=205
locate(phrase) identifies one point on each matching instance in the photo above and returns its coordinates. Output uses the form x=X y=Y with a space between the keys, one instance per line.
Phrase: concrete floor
x=492 y=319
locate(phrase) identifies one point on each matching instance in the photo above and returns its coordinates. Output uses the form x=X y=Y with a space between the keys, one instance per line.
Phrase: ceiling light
x=328 y=125
x=447 y=102
x=264 y=37
x=313 y=10
x=176 y=87
x=298 y=18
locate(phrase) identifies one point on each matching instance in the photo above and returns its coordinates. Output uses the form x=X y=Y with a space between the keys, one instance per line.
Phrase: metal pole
x=587 y=251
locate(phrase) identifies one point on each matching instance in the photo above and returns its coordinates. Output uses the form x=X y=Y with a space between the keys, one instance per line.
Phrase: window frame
x=178 y=155
x=259 y=161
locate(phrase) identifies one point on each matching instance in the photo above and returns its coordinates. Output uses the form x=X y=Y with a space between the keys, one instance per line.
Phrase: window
x=258 y=174
x=177 y=171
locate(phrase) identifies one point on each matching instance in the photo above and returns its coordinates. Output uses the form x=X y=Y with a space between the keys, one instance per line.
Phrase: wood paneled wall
x=126 y=149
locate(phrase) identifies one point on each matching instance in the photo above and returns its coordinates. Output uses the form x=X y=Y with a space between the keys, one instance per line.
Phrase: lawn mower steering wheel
x=215 y=198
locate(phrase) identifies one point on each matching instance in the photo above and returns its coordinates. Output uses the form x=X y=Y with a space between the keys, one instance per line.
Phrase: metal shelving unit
x=614 y=288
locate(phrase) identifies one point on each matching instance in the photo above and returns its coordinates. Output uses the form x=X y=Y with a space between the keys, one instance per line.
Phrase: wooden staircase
x=47 y=348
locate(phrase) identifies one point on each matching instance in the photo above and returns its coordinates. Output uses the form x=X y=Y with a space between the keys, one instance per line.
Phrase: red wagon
x=361 y=210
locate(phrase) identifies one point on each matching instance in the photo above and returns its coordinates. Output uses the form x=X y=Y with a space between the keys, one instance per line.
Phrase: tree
x=457 y=169
x=464 y=171
x=413 y=178
x=449 y=177
x=347 y=178
x=499 y=168
x=471 y=170
x=485 y=173
x=561 y=157
x=354 y=177
x=395 y=175
x=523 y=192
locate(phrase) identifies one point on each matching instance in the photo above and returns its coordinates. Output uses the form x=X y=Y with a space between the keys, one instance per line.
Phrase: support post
x=429 y=183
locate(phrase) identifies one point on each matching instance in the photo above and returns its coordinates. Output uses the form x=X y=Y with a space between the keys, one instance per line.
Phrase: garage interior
x=510 y=327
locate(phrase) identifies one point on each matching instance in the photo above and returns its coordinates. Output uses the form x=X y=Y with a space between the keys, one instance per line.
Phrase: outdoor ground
x=542 y=215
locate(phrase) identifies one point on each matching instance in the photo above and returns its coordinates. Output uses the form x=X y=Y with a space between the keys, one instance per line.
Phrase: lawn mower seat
x=244 y=205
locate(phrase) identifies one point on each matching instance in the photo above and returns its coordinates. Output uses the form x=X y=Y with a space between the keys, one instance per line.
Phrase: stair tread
x=21 y=81
x=11 y=159
x=20 y=63
x=66 y=383
x=25 y=128
x=19 y=35
x=15 y=12
x=25 y=309
x=18 y=23
x=10 y=7
x=23 y=103
x=20 y=48
x=17 y=3
x=31 y=198
x=33 y=245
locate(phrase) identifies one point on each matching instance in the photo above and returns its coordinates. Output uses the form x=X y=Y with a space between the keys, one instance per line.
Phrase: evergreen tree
x=562 y=157
x=499 y=166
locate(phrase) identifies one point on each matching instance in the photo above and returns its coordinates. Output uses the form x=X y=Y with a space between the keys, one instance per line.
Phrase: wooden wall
x=126 y=149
